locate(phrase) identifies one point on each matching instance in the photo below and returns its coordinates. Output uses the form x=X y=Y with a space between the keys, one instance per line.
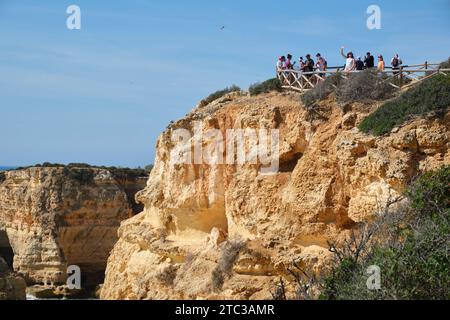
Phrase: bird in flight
x=222 y=28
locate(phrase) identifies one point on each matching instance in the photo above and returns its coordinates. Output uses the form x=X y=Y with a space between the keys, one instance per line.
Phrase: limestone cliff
x=54 y=217
x=331 y=177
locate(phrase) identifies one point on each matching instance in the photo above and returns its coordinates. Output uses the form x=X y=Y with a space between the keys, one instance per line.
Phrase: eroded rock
x=331 y=177
x=51 y=218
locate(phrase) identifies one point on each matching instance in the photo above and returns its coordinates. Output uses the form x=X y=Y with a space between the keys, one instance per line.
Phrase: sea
x=6 y=168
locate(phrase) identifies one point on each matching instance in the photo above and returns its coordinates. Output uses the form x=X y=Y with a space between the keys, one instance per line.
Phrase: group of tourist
x=351 y=64
x=306 y=64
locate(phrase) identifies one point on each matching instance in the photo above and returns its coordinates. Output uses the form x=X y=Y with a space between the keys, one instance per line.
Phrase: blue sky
x=104 y=93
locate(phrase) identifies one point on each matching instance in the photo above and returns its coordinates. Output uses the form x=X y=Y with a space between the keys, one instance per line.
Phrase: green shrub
x=79 y=165
x=431 y=189
x=219 y=94
x=413 y=255
x=43 y=165
x=265 y=87
x=84 y=176
x=127 y=173
x=432 y=94
x=117 y=172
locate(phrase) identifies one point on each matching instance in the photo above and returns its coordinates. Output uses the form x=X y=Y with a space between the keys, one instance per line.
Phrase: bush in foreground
x=410 y=246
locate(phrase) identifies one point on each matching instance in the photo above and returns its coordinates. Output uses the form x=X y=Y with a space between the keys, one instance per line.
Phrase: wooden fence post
x=401 y=76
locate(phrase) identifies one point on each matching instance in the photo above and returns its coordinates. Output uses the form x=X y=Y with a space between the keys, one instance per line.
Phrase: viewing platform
x=403 y=77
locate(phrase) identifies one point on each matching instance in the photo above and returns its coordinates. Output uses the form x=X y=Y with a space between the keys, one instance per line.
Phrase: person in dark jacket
x=309 y=64
x=359 y=64
x=369 y=61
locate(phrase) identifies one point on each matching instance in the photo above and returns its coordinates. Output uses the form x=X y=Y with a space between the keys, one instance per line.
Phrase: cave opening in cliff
x=289 y=164
x=6 y=250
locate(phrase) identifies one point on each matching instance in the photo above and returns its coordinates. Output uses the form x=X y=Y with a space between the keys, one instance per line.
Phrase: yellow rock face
x=51 y=218
x=331 y=177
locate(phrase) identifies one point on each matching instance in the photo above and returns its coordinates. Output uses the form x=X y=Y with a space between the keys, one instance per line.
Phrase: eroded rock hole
x=289 y=164
x=6 y=251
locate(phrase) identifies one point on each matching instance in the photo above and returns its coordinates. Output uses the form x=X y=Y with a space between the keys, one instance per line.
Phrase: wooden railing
x=403 y=77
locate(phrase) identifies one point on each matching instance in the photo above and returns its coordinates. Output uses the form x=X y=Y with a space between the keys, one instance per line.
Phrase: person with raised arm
x=350 y=64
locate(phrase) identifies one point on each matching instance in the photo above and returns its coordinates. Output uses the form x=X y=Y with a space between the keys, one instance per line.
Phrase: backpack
x=395 y=62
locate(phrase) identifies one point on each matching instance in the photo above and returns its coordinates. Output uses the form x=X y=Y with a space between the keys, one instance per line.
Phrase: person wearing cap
x=359 y=64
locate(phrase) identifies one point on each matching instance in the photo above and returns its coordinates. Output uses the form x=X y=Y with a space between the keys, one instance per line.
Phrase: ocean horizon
x=4 y=168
